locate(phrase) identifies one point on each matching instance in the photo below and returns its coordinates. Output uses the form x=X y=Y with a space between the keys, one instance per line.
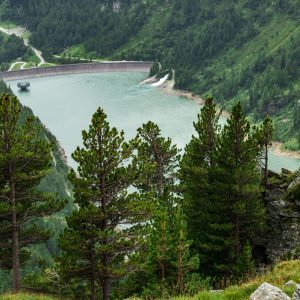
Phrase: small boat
x=23 y=86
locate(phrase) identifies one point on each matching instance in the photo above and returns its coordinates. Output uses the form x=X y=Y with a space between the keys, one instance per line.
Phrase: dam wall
x=122 y=66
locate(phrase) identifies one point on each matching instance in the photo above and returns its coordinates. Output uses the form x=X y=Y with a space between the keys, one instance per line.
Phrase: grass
x=8 y=24
x=79 y=51
x=47 y=65
x=278 y=276
x=17 y=66
x=291 y=144
x=25 y=297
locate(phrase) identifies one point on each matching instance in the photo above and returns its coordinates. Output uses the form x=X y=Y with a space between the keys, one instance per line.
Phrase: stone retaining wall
x=135 y=66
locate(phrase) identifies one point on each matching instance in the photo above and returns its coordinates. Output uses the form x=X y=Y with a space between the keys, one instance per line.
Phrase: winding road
x=20 y=32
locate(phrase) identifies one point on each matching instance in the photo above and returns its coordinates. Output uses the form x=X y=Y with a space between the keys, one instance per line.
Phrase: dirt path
x=22 y=63
x=20 y=32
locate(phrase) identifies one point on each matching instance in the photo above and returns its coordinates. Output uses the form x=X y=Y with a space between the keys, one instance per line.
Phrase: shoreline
x=278 y=150
x=168 y=89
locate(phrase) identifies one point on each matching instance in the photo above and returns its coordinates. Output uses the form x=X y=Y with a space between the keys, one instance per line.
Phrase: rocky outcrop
x=296 y=295
x=283 y=238
x=269 y=292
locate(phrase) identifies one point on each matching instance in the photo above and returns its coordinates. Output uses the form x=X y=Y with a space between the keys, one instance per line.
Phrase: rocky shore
x=168 y=88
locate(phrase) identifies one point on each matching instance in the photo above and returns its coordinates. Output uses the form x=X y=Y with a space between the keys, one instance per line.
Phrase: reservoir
x=66 y=103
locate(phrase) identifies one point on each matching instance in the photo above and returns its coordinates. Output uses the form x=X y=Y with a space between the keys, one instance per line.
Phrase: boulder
x=290 y=283
x=269 y=292
x=296 y=295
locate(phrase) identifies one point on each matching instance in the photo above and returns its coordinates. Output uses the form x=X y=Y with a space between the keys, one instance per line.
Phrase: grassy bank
x=278 y=276
x=25 y=297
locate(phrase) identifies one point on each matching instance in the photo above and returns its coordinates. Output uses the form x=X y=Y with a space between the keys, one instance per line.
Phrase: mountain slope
x=234 y=50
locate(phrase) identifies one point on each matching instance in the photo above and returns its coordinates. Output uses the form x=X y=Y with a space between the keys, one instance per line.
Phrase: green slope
x=242 y=50
x=278 y=276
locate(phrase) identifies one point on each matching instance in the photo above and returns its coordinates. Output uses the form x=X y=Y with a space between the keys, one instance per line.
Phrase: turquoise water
x=65 y=104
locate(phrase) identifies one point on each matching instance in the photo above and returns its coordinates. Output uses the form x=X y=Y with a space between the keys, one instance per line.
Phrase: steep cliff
x=283 y=205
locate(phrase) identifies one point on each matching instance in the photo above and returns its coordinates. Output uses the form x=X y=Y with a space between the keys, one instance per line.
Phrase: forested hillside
x=12 y=48
x=245 y=50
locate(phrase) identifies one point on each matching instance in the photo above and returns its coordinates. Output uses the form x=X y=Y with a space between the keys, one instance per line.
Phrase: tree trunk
x=160 y=178
x=15 y=241
x=237 y=238
x=106 y=282
x=266 y=170
x=93 y=294
x=180 y=270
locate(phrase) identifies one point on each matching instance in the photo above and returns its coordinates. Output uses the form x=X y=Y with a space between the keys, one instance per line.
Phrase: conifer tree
x=196 y=176
x=157 y=160
x=185 y=262
x=109 y=220
x=25 y=159
x=168 y=252
x=221 y=185
x=237 y=210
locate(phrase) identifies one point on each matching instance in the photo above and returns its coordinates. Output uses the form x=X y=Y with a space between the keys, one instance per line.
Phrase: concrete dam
x=122 y=66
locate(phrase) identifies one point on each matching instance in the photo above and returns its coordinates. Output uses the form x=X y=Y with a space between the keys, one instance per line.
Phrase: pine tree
x=245 y=265
x=157 y=160
x=196 y=176
x=25 y=158
x=221 y=185
x=109 y=220
x=265 y=138
x=238 y=211
x=185 y=262
x=168 y=253
x=79 y=244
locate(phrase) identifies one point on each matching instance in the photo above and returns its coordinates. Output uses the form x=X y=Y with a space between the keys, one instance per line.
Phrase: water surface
x=66 y=103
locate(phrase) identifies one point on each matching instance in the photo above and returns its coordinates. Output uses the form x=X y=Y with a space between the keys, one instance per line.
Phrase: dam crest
x=122 y=66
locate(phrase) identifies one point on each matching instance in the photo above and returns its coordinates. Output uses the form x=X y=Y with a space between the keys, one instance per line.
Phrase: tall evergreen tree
x=221 y=185
x=109 y=220
x=25 y=158
x=157 y=160
x=237 y=211
x=168 y=251
x=196 y=176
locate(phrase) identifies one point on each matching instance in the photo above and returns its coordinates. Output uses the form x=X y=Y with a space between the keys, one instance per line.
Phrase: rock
x=286 y=172
x=272 y=174
x=296 y=295
x=269 y=292
x=283 y=238
x=294 y=183
x=216 y=291
x=291 y=283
